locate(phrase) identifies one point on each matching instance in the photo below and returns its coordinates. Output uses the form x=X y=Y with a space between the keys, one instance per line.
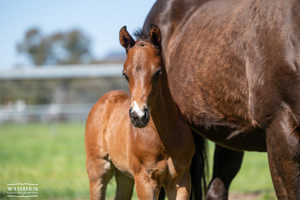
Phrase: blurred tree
x=71 y=47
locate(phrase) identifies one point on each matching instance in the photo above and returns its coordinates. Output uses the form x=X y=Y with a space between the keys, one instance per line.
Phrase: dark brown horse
x=233 y=69
x=141 y=138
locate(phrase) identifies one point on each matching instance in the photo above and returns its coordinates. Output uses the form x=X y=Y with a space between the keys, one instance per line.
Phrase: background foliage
x=70 y=47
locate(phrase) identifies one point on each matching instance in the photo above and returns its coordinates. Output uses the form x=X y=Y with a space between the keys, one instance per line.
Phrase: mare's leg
x=181 y=189
x=227 y=163
x=100 y=172
x=283 y=147
x=124 y=186
x=198 y=167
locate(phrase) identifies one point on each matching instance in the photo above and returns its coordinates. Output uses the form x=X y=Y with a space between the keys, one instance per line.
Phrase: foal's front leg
x=146 y=188
x=100 y=172
x=180 y=189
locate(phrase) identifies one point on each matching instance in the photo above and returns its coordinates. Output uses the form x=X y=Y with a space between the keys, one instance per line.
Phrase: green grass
x=49 y=155
x=254 y=176
x=53 y=156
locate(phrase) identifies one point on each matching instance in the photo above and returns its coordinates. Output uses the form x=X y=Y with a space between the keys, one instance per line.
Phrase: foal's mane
x=140 y=35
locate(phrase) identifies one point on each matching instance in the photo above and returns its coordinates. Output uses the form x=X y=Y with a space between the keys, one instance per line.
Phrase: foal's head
x=142 y=69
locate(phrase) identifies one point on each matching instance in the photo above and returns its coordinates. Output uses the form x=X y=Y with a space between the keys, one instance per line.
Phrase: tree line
x=60 y=48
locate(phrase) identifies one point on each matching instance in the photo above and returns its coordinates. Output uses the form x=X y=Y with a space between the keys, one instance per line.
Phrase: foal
x=152 y=146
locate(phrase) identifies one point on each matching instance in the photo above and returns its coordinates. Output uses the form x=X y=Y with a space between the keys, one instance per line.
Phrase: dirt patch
x=252 y=196
x=245 y=196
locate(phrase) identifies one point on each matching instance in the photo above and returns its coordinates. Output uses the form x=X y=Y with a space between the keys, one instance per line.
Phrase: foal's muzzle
x=139 y=119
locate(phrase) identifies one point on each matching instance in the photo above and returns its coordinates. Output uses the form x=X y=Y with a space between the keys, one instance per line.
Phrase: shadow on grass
x=2 y=195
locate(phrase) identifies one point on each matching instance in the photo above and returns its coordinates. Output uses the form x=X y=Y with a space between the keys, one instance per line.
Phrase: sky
x=100 y=20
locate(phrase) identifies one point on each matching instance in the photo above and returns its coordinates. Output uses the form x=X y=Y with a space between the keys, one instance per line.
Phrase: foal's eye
x=157 y=74
x=125 y=76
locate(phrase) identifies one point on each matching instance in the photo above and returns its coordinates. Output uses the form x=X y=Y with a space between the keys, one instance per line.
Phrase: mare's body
x=151 y=145
x=233 y=69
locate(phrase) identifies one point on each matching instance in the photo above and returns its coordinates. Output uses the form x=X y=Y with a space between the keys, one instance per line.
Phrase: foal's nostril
x=146 y=114
x=133 y=114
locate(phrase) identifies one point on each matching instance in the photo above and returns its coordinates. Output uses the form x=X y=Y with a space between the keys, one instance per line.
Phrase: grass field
x=53 y=157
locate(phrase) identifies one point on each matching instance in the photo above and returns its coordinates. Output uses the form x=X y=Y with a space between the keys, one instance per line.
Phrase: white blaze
x=137 y=110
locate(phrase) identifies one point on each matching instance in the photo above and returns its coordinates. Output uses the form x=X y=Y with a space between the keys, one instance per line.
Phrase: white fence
x=22 y=113
x=63 y=72
x=19 y=112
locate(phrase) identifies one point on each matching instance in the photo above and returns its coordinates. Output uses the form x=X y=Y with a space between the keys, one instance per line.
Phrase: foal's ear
x=155 y=35
x=125 y=38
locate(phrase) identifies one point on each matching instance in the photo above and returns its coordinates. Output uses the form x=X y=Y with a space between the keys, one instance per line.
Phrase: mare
x=234 y=72
x=141 y=138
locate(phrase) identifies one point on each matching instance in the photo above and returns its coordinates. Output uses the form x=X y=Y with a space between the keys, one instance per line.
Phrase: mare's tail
x=199 y=168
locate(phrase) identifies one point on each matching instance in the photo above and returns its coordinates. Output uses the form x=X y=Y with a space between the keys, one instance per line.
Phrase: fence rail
x=21 y=113
x=63 y=72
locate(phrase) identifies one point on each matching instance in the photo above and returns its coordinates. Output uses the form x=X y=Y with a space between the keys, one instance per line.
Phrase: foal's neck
x=165 y=113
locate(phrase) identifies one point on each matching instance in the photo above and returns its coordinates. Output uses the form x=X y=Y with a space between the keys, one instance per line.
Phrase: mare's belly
x=235 y=138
